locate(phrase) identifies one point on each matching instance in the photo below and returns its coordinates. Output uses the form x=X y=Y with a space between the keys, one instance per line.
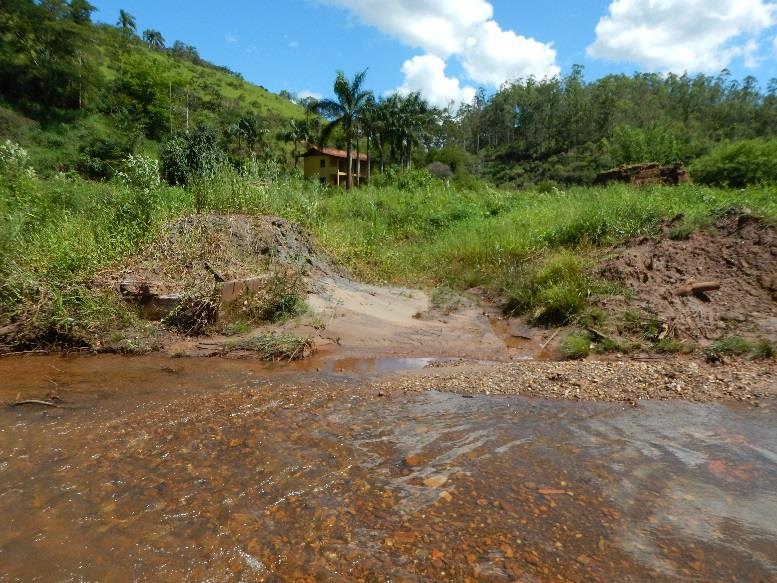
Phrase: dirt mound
x=645 y=174
x=740 y=253
x=191 y=252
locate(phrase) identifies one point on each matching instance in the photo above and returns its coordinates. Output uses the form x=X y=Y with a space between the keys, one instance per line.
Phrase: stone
x=435 y=481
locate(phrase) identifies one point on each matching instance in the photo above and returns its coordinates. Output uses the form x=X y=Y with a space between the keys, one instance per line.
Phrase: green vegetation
x=576 y=346
x=566 y=130
x=737 y=164
x=672 y=346
x=81 y=97
x=108 y=136
x=735 y=346
x=530 y=250
x=273 y=346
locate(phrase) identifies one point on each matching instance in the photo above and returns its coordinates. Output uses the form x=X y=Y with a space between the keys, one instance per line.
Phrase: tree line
x=562 y=129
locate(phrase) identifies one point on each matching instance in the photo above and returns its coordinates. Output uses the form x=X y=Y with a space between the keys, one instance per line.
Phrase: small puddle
x=217 y=470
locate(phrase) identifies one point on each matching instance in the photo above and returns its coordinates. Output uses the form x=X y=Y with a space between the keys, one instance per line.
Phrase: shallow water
x=213 y=470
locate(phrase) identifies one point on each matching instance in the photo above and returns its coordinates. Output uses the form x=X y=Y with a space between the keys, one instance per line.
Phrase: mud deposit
x=173 y=470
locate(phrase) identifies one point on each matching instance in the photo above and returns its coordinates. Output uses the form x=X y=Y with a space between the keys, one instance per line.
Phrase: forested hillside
x=567 y=129
x=81 y=96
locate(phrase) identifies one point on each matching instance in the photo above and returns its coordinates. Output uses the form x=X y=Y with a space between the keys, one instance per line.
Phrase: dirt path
x=363 y=319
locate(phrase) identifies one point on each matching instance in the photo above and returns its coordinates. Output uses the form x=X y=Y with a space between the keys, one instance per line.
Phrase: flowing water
x=213 y=470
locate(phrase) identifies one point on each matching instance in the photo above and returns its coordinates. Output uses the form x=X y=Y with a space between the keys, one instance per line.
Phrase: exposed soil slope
x=740 y=253
x=194 y=249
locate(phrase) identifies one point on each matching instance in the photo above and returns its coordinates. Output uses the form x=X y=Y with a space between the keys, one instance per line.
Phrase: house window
x=323 y=162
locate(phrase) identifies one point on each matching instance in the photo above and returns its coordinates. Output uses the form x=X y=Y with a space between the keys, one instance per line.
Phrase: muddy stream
x=170 y=469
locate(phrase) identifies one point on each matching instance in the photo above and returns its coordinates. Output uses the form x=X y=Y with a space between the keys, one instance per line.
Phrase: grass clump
x=553 y=292
x=673 y=346
x=576 y=346
x=730 y=346
x=274 y=346
x=644 y=325
x=763 y=350
x=760 y=349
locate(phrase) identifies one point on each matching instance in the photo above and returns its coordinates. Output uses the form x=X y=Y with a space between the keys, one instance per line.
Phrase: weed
x=672 y=346
x=732 y=346
x=194 y=313
x=576 y=346
x=645 y=325
x=763 y=350
x=273 y=346
x=236 y=328
x=446 y=300
x=593 y=317
x=608 y=345
x=553 y=291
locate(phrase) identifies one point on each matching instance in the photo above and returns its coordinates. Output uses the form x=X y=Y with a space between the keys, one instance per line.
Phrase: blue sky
x=446 y=48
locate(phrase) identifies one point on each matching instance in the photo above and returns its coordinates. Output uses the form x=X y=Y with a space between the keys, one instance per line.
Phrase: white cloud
x=230 y=39
x=440 y=27
x=497 y=55
x=461 y=29
x=683 y=35
x=294 y=45
x=305 y=93
x=426 y=74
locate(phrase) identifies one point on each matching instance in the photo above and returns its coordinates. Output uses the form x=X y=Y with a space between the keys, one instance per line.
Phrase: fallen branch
x=36 y=402
x=4 y=354
x=695 y=289
x=556 y=333
x=600 y=334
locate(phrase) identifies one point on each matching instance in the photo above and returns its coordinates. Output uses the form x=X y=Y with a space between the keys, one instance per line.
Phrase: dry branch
x=694 y=288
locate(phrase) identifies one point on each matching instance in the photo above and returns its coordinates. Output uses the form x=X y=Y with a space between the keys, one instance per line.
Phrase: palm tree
x=345 y=113
x=126 y=22
x=154 y=39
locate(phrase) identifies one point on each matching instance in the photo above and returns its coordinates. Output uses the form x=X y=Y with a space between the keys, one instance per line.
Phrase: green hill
x=80 y=96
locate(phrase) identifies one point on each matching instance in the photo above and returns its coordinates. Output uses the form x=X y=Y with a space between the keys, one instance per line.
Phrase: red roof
x=333 y=153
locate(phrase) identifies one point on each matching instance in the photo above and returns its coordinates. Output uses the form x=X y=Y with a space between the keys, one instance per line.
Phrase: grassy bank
x=529 y=249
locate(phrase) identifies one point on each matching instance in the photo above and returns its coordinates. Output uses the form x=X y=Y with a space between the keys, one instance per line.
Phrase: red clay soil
x=740 y=253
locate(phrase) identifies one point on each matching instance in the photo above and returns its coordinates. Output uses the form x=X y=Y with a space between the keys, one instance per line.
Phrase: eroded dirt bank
x=193 y=469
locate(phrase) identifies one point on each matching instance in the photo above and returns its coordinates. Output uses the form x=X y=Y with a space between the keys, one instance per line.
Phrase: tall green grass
x=532 y=250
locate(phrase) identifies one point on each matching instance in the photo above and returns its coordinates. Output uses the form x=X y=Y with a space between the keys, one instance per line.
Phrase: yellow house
x=329 y=166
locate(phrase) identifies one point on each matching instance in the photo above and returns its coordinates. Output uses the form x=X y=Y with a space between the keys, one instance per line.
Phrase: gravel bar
x=624 y=381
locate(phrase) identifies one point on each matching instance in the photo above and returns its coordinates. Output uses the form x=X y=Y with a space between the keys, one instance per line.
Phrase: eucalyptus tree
x=372 y=124
x=154 y=39
x=344 y=112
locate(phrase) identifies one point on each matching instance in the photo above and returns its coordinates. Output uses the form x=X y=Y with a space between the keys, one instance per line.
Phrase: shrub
x=14 y=161
x=440 y=170
x=738 y=164
x=140 y=172
x=194 y=156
